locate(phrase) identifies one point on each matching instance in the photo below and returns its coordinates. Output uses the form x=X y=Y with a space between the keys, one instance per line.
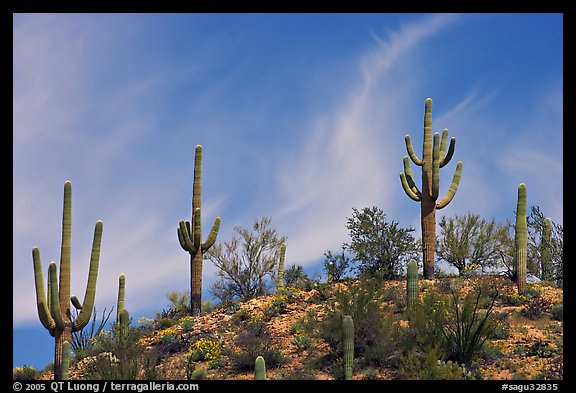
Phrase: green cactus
x=412 y=285
x=121 y=295
x=124 y=318
x=521 y=239
x=545 y=251
x=65 y=361
x=260 y=369
x=348 y=343
x=54 y=312
x=433 y=159
x=190 y=237
x=280 y=279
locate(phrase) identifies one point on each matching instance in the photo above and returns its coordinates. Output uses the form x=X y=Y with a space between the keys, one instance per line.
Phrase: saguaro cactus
x=433 y=159
x=545 y=250
x=54 y=309
x=521 y=239
x=412 y=285
x=260 y=369
x=190 y=237
x=280 y=279
x=348 y=343
x=121 y=295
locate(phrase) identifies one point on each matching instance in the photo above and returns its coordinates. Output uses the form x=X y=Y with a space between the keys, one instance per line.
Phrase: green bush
x=558 y=312
x=536 y=307
x=374 y=325
x=24 y=373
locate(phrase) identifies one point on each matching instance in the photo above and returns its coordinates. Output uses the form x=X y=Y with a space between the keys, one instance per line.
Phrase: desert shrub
x=554 y=370
x=118 y=354
x=418 y=365
x=84 y=339
x=253 y=340
x=374 y=327
x=207 y=349
x=536 y=307
x=541 y=349
x=276 y=306
x=558 y=312
x=501 y=326
x=468 y=327
x=24 y=373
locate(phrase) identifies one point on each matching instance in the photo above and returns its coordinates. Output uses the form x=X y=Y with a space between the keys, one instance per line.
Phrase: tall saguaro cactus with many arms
x=54 y=308
x=190 y=237
x=433 y=159
x=521 y=239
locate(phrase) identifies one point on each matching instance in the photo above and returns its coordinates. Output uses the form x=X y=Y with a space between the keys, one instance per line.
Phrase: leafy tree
x=469 y=243
x=295 y=276
x=381 y=248
x=245 y=261
x=336 y=266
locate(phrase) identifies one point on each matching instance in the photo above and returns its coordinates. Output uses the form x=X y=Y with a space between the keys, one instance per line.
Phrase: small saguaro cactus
x=260 y=369
x=545 y=250
x=412 y=285
x=433 y=159
x=280 y=279
x=65 y=360
x=190 y=237
x=121 y=295
x=54 y=306
x=521 y=239
x=348 y=343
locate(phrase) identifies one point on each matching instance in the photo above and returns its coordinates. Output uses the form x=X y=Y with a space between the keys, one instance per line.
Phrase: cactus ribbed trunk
x=412 y=285
x=428 y=222
x=546 y=252
x=521 y=239
x=348 y=343
x=434 y=157
x=280 y=278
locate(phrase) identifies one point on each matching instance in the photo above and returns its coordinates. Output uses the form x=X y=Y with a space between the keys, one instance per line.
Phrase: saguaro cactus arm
x=451 y=148
x=453 y=187
x=55 y=311
x=411 y=152
x=185 y=236
x=41 y=301
x=88 y=304
x=212 y=235
x=407 y=179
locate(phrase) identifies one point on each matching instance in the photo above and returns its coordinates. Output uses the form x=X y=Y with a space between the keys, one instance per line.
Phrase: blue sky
x=302 y=117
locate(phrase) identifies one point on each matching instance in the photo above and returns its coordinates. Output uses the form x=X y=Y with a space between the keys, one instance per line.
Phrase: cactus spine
x=190 y=237
x=348 y=343
x=521 y=239
x=65 y=360
x=412 y=285
x=280 y=279
x=433 y=159
x=545 y=250
x=54 y=312
x=260 y=369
